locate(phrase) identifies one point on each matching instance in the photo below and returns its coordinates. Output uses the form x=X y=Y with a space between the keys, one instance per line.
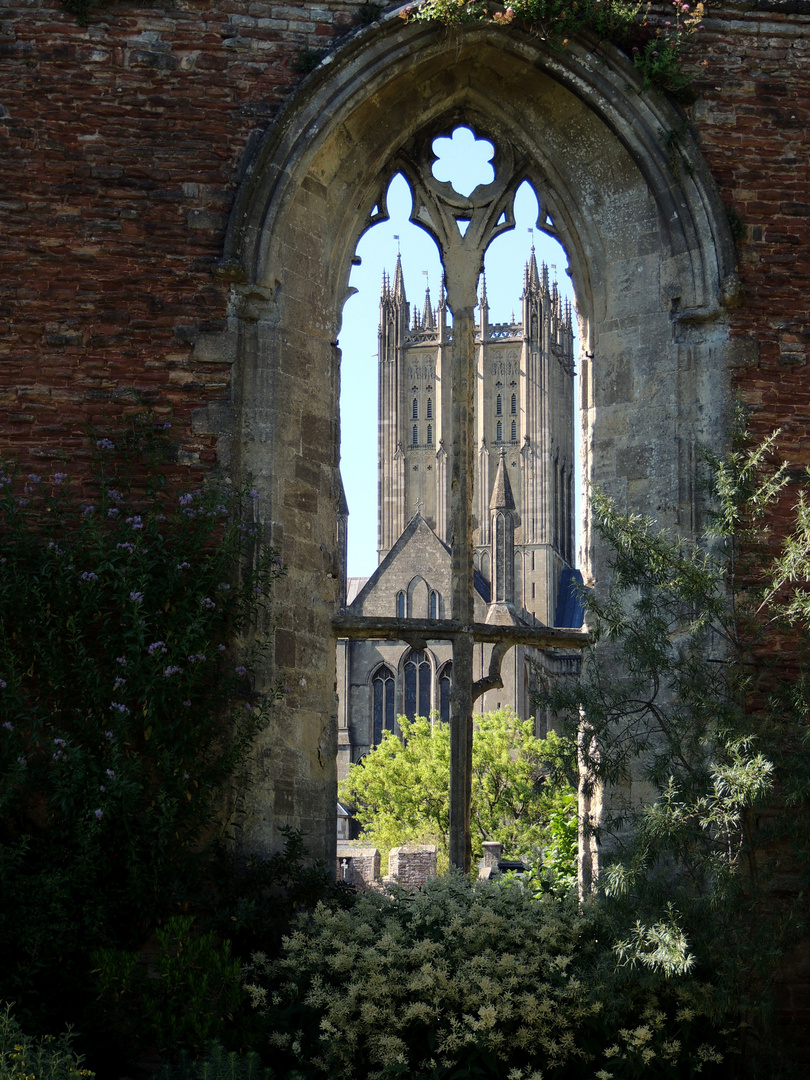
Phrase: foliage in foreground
x=476 y=979
x=656 y=46
x=401 y=789
x=46 y=1058
x=696 y=727
x=125 y=712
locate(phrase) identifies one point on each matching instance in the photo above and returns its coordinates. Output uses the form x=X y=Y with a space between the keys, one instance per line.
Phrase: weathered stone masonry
x=123 y=145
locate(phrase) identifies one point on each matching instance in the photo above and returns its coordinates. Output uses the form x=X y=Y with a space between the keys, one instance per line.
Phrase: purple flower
x=60 y=477
x=34 y=478
x=220 y=508
x=254 y=495
x=22 y=761
x=88 y=510
x=101 y=788
x=113 y=512
x=184 y=566
x=119 y=682
x=118 y=707
x=136 y=598
x=3 y=684
x=195 y=658
x=111 y=774
x=165 y=425
x=59 y=742
x=108 y=735
x=248 y=707
x=241 y=670
x=185 y=776
x=88 y=575
x=187 y=704
x=221 y=647
x=121 y=659
x=223 y=587
x=135 y=521
x=22 y=502
x=172 y=669
x=7 y=724
x=105 y=444
x=186 y=500
x=208 y=603
x=99 y=814
x=127 y=546
x=116 y=496
x=157 y=646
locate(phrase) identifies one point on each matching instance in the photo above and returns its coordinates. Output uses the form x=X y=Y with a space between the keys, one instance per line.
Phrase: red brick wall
x=120 y=148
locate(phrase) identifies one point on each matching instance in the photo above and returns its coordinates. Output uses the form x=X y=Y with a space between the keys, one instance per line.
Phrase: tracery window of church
x=514 y=431
x=430 y=434
x=445 y=687
x=417 y=678
x=415 y=410
x=513 y=408
x=499 y=432
x=383 y=709
x=499 y=405
x=400 y=605
x=415 y=437
x=430 y=408
x=434 y=605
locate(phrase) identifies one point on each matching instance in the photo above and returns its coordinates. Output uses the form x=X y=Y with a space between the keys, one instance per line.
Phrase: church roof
x=353 y=587
x=427 y=559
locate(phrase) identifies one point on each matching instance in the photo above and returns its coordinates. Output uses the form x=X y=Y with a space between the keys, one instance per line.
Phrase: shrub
x=48 y=1058
x=473 y=979
x=126 y=705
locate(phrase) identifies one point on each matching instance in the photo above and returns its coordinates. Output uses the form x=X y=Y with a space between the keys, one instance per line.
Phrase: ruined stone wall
x=122 y=146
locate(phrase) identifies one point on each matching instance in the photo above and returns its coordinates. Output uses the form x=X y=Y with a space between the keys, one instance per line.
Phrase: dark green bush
x=126 y=709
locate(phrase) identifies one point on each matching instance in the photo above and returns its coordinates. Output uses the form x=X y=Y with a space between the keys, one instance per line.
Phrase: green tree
x=401 y=789
x=695 y=691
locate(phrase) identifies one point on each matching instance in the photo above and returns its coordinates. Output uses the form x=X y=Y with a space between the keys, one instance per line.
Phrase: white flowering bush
x=472 y=979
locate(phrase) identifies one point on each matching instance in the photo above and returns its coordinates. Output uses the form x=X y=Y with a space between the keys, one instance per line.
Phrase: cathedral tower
x=524 y=418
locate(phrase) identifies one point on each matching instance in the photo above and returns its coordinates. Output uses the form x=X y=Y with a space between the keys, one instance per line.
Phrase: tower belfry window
x=430 y=434
x=415 y=410
x=499 y=432
x=499 y=405
x=513 y=408
x=514 y=431
x=430 y=408
x=415 y=436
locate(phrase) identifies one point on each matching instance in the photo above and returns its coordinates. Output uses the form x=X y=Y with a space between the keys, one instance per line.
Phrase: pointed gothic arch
x=653 y=267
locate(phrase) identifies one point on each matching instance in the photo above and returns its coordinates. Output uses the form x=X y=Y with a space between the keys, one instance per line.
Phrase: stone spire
x=428 y=322
x=399 y=282
x=504 y=520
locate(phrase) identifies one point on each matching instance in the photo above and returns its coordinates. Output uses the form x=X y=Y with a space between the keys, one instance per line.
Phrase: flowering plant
x=655 y=44
x=126 y=701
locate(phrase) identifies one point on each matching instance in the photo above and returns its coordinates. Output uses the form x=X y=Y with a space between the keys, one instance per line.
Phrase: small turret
x=504 y=520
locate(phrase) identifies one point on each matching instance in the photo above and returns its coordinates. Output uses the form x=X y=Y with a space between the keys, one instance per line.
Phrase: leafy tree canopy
x=402 y=788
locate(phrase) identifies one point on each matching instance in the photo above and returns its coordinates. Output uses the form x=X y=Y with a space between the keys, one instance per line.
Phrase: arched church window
x=430 y=434
x=415 y=436
x=499 y=432
x=417 y=684
x=434 y=605
x=513 y=407
x=415 y=410
x=445 y=686
x=499 y=405
x=430 y=408
x=383 y=710
x=400 y=605
x=514 y=431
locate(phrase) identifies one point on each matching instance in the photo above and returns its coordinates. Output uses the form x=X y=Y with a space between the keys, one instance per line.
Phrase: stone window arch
x=513 y=405
x=429 y=436
x=383 y=703
x=415 y=435
x=499 y=405
x=429 y=409
x=417 y=679
x=415 y=409
x=499 y=432
x=291 y=236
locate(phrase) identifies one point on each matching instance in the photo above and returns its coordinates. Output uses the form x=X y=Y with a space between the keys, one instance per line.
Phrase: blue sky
x=464 y=162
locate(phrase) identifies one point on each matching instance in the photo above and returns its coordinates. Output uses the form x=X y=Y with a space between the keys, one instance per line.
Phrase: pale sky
x=465 y=163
